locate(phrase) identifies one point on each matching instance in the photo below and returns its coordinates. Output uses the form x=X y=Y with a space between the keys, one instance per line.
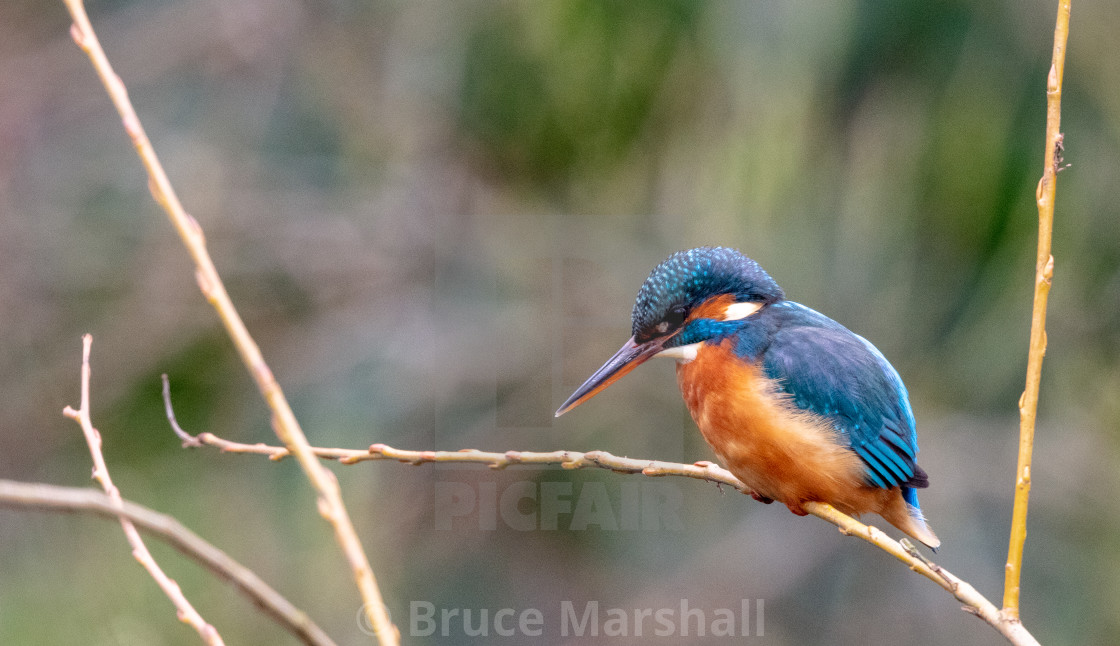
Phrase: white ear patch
x=736 y=311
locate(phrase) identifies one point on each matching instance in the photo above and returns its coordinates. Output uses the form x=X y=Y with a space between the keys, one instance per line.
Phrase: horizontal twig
x=974 y=602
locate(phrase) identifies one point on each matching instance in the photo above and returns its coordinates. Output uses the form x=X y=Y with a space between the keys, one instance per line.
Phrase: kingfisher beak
x=629 y=356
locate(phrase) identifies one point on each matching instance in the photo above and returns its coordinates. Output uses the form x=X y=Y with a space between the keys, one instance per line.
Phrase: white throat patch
x=682 y=353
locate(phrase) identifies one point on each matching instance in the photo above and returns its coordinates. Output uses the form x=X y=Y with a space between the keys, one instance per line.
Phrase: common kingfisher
x=794 y=404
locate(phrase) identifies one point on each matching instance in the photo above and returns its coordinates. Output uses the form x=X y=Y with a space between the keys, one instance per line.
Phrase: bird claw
x=797 y=509
x=762 y=499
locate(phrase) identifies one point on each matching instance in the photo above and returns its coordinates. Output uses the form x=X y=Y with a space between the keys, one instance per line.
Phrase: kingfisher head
x=691 y=297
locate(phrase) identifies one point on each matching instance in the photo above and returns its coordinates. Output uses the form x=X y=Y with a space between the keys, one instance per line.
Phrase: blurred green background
x=434 y=217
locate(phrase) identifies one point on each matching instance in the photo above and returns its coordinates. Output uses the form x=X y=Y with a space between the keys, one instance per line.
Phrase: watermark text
x=528 y=505
x=588 y=619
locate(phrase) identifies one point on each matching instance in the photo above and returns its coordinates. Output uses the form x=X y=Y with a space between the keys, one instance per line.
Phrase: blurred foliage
x=564 y=89
x=434 y=217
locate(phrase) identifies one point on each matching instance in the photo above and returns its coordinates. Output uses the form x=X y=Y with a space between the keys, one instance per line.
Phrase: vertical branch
x=1044 y=272
x=186 y=611
x=210 y=283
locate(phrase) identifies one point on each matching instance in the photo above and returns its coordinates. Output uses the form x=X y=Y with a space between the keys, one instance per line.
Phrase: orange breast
x=778 y=450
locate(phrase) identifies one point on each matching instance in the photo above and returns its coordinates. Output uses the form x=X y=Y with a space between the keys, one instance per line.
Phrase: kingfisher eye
x=672 y=320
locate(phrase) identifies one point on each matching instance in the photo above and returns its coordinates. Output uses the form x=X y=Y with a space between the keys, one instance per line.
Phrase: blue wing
x=837 y=374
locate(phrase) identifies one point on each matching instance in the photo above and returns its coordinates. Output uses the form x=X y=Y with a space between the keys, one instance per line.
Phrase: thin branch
x=975 y=603
x=284 y=422
x=27 y=495
x=187 y=438
x=186 y=611
x=1044 y=273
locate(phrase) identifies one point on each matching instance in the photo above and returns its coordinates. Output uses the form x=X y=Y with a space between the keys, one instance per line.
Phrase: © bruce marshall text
x=589 y=620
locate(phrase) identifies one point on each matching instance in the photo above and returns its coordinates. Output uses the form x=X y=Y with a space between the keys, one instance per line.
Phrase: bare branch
x=186 y=611
x=1044 y=274
x=188 y=439
x=975 y=603
x=26 y=495
x=284 y=422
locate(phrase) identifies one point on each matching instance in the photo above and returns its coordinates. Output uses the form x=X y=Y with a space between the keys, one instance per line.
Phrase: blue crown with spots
x=687 y=278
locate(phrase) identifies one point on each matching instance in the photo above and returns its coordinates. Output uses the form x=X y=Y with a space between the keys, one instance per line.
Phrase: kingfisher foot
x=797 y=509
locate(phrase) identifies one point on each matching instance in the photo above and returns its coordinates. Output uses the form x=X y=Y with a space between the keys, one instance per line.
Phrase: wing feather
x=835 y=373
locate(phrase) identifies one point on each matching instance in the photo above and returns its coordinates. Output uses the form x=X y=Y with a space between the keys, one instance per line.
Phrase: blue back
x=830 y=371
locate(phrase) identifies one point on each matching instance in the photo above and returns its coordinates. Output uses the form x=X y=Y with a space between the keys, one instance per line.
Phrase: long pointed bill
x=628 y=357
